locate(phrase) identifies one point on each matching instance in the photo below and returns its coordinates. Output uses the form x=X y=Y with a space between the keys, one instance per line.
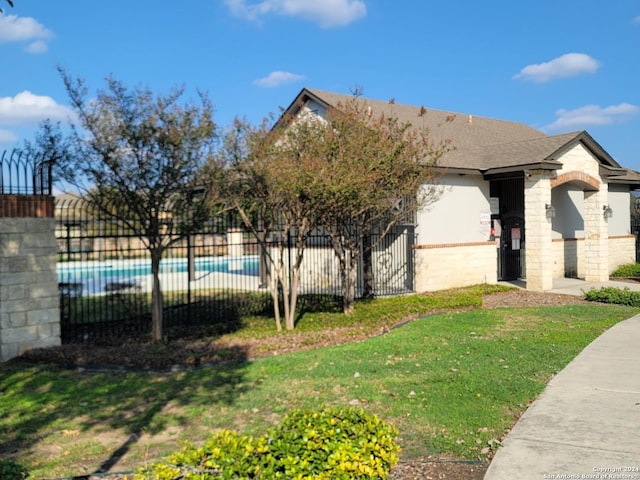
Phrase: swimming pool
x=96 y=277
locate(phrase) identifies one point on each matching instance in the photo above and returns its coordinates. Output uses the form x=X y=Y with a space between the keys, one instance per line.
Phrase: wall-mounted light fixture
x=550 y=210
x=607 y=211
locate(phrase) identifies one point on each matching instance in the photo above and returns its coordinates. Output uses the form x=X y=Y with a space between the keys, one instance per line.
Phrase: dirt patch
x=526 y=298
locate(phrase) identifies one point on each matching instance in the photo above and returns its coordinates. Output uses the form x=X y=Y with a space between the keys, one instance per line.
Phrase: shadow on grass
x=106 y=321
x=317 y=304
x=38 y=402
x=131 y=389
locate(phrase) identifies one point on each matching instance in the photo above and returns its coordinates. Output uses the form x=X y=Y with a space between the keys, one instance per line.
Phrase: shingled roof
x=481 y=145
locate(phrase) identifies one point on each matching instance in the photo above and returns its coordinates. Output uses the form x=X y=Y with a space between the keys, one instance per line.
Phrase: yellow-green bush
x=12 y=470
x=332 y=443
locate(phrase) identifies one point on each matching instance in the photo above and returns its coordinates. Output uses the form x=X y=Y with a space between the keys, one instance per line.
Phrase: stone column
x=235 y=249
x=539 y=247
x=596 y=236
x=29 y=301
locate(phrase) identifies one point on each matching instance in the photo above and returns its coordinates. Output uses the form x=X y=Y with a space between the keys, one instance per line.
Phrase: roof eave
x=594 y=147
x=550 y=165
x=457 y=171
x=624 y=181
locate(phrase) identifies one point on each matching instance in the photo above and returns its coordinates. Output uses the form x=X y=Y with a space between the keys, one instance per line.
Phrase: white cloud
x=326 y=13
x=278 y=78
x=592 y=115
x=568 y=65
x=17 y=29
x=21 y=29
x=27 y=108
x=636 y=20
x=38 y=46
x=7 y=136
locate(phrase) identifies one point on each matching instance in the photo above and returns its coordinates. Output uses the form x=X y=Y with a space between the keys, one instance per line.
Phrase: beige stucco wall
x=568 y=201
x=620 y=202
x=456 y=216
x=452 y=247
x=445 y=266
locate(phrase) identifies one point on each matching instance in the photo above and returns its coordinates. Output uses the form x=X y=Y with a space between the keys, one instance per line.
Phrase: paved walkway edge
x=586 y=423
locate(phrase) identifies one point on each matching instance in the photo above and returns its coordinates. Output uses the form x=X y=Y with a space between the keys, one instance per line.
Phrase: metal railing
x=212 y=278
x=23 y=174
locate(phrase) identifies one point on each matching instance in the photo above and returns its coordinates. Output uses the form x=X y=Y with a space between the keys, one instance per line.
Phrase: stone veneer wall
x=439 y=267
x=539 y=247
x=568 y=255
x=568 y=258
x=622 y=250
x=29 y=302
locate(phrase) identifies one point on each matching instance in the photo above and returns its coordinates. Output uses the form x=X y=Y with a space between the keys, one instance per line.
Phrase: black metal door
x=512 y=247
x=510 y=192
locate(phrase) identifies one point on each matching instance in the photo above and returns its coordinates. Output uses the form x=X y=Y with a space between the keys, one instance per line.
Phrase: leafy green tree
x=376 y=172
x=349 y=174
x=272 y=174
x=138 y=157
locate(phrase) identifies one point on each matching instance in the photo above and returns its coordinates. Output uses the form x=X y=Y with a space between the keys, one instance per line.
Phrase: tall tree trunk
x=156 y=296
x=286 y=296
x=276 y=308
x=283 y=283
x=293 y=297
x=347 y=260
x=367 y=267
x=349 y=282
x=274 y=284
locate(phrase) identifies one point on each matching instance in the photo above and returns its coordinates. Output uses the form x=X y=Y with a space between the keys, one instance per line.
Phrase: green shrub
x=628 y=270
x=225 y=455
x=614 y=295
x=333 y=443
x=11 y=470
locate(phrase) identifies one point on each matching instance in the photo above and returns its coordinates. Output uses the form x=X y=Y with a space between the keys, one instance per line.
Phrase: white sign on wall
x=485 y=223
x=494 y=204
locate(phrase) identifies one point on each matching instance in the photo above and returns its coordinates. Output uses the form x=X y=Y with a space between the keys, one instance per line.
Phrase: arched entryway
x=579 y=228
x=550 y=226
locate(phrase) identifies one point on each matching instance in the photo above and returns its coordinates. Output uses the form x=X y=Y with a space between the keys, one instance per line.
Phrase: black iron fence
x=635 y=221
x=211 y=279
x=635 y=230
x=24 y=174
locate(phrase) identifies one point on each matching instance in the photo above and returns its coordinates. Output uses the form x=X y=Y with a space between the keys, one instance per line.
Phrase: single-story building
x=515 y=203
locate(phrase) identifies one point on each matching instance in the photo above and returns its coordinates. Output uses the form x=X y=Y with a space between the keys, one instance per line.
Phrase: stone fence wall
x=29 y=302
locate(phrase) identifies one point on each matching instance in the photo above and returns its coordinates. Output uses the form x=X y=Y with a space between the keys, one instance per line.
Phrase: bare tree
x=138 y=158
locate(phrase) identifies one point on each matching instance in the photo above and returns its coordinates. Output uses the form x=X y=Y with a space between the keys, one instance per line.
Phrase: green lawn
x=450 y=382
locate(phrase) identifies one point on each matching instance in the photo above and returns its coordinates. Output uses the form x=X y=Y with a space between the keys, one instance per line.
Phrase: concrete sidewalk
x=573 y=286
x=586 y=423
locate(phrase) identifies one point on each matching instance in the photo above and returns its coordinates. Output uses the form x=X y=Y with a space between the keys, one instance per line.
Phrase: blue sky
x=558 y=66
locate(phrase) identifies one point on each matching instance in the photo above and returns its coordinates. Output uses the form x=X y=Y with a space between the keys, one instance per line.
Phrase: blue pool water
x=95 y=278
